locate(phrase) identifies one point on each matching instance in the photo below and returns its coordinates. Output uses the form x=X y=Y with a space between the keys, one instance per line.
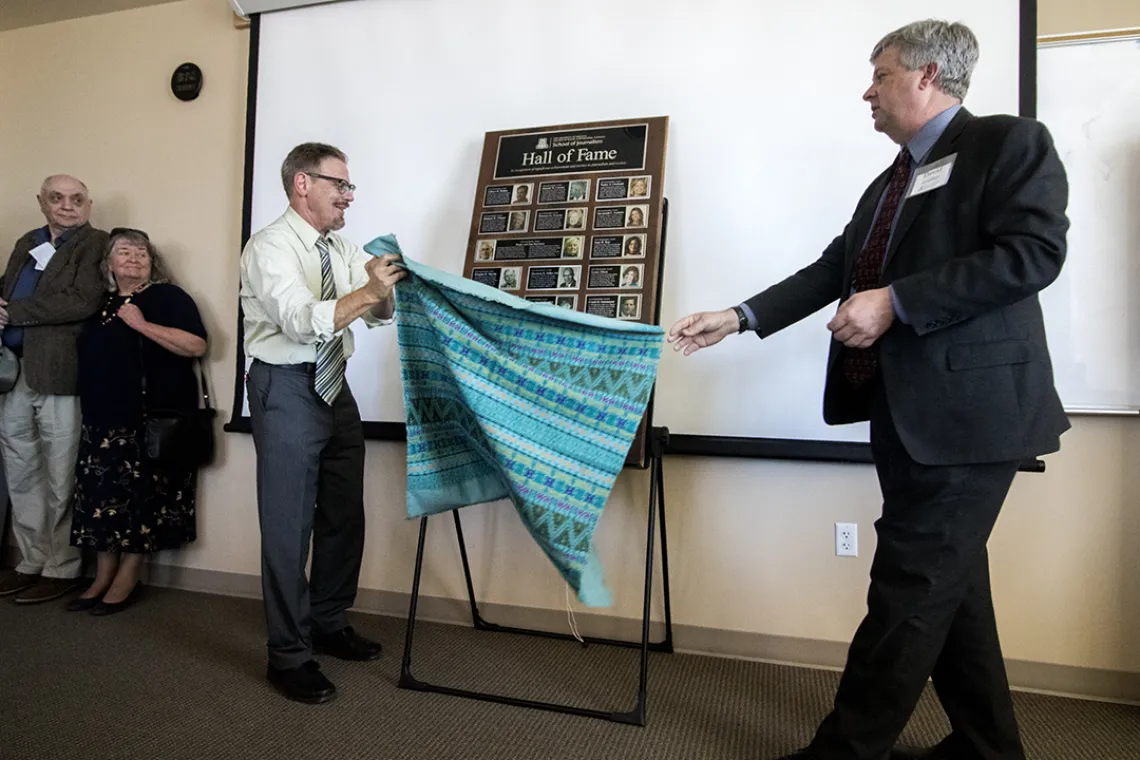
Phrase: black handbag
x=179 y=437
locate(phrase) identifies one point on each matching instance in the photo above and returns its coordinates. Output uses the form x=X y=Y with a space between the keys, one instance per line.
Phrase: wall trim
x=1024 y=675
x=1072 y=681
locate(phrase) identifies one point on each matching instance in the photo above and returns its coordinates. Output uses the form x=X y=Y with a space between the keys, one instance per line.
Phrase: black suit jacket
x=69 y=291
x=969 y=379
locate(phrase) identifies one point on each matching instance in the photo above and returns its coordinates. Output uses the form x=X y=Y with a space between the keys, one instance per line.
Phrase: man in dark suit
x=50 y=287
x=939 y=341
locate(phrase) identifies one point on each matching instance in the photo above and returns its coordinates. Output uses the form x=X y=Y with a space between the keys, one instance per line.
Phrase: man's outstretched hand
x=701 y=330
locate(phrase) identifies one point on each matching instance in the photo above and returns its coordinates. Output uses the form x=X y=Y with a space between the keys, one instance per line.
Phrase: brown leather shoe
x=46 y=589
x=12 y=582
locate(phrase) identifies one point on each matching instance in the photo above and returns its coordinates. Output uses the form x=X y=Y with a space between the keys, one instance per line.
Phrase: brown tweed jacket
x=69 y=291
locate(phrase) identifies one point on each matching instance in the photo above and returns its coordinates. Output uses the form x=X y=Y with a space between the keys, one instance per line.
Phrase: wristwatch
x=742 y=319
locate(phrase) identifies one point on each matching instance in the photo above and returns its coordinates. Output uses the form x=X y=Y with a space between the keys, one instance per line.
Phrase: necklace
x=106 y=316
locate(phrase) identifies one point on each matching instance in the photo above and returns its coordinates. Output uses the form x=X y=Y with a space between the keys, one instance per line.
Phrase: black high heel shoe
x=79 y=604
x=110 y=608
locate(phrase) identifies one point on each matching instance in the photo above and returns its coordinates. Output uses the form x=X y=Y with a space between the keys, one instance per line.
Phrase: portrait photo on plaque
x=602 y=306
x=605 y=246
x=572 y=247
x=568 y=278
x=629 y=307
x=498 y=195
x=519 y=221
x=566 y=302
x=487 y=276
x=631 y=275
x=523 y=195
x=575 y=218
x=579 y=190
x=510 y=278
x=639 y=187
x=633 y=247
x=637 y=215
x=492 y=222
x=485 y=250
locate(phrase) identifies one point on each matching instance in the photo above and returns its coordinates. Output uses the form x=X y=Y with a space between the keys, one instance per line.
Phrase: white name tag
x=932 y=176
x=42 y=254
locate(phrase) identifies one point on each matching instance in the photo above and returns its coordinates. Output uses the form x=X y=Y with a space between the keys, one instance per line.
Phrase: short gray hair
x=306 y=157
x=137 y=238
x=952 y=46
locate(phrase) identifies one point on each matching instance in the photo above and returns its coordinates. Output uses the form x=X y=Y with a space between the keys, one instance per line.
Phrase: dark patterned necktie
x=860 y=364
x=329 y=377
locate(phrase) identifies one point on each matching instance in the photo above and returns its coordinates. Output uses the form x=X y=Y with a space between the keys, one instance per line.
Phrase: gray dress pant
x=310 y=486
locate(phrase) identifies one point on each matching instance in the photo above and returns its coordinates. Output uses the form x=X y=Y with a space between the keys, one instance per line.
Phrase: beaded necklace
x=106 y=318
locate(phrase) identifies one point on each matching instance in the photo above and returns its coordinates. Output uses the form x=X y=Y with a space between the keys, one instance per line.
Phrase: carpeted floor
x=182 y=676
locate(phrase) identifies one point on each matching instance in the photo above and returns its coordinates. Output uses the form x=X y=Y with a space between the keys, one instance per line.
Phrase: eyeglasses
x=130 y=231
x=343 y=186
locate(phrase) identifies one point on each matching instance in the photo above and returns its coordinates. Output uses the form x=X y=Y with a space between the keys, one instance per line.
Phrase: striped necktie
x=329 y=378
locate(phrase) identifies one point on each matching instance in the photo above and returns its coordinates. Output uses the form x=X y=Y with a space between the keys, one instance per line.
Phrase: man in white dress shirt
x=301 y=287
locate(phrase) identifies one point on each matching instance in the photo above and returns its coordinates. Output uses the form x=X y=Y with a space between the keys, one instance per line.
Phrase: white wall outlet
x=846 y=539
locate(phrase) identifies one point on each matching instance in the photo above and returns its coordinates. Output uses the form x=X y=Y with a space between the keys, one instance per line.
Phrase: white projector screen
x=770 y=147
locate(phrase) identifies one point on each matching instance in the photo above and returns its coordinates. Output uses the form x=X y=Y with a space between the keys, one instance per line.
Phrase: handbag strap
x=203 y=388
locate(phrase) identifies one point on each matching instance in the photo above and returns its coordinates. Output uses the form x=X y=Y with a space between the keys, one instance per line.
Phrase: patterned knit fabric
x=507 y=399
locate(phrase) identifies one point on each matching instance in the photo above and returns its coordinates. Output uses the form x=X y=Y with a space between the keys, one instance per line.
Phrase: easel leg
x=636 y=716
x=407 y=680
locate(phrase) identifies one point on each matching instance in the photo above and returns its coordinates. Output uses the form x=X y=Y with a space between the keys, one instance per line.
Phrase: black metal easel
x=658 y=439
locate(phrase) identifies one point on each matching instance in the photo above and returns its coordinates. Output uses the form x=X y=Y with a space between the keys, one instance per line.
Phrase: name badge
x=932 y=176
x=42 y=254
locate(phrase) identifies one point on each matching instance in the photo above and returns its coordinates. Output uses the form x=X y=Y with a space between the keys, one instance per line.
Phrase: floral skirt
x=123 y=504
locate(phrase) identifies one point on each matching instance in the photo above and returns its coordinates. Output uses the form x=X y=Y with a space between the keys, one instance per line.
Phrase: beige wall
x=1072 y=17
x=751 y=541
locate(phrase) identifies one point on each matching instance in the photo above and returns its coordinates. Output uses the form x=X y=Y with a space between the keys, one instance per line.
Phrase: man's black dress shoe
x=304 y=683
x=346 y=644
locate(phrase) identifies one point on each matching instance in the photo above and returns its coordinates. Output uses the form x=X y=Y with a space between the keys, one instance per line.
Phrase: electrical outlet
x=846 y=539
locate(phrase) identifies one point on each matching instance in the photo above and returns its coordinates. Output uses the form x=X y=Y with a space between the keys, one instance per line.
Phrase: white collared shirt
x=284 y=316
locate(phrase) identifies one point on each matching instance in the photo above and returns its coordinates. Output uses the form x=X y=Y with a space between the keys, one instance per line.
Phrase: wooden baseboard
x=1064 y=680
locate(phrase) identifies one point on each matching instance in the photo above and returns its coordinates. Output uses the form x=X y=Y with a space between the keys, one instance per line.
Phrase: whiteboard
x=1089 y=98
x=770 y=147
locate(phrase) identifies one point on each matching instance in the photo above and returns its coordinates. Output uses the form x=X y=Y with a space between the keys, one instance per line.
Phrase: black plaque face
x=603 y=306
x=493 y=222
x=554 y=278
x=498 y=195
x=613 y=189
x=553 y=192
x=609 y=218
x=487 y=276
x=605 y=247
x=549 y=219
x=526 y=249
x=598 y=149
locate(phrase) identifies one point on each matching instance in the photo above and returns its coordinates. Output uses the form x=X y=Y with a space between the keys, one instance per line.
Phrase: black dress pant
x=310 y=486
x=929 y=610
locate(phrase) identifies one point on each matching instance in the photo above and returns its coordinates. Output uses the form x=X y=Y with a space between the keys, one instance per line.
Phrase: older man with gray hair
x=939 y=341
x=51 y=286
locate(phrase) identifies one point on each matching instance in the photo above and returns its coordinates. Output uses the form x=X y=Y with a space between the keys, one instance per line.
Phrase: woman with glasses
x=137 y=351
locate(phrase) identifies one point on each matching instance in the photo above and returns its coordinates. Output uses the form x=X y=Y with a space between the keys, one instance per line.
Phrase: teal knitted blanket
x=508 y=399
